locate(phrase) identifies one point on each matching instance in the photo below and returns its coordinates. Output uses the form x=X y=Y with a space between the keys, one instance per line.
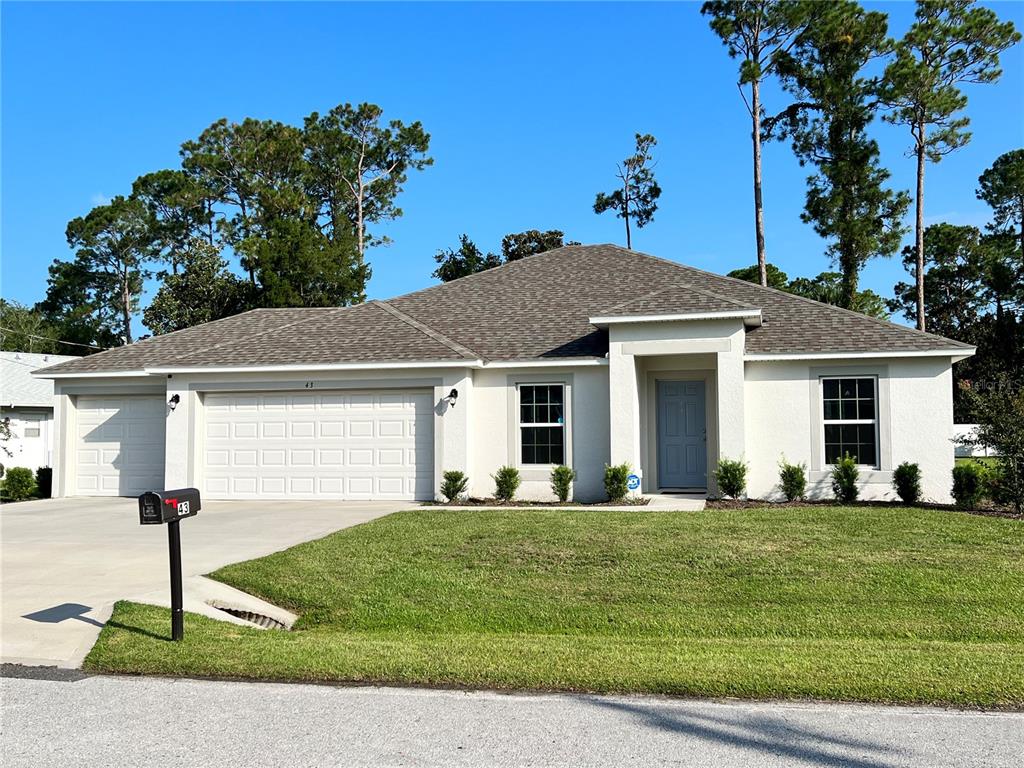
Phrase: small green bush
x=561 y=482
x=454 y=485
x=731 y=476
x=506 y=482
x=792 y=480
x=968 y=485
x=19 y=483
x=44 y=482
x=906 y=481
x=616 y=481
x=844 y=479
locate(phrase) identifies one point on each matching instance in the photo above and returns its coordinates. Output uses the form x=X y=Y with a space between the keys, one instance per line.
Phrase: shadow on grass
x=767 y=734
x=138 y=630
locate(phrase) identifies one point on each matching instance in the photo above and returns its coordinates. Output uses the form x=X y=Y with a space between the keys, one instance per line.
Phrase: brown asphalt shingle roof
x=538 y=307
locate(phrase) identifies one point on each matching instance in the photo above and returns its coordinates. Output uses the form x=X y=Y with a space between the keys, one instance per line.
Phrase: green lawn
x=899 y=605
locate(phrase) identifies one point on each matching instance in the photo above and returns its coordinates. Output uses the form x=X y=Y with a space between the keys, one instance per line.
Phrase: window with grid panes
x=850 y=418
x=542 y=423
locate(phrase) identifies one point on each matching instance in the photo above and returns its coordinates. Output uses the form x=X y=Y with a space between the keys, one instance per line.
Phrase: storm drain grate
x=253 y=618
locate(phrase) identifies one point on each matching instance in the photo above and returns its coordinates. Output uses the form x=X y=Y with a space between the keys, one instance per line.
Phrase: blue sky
x=529 y=107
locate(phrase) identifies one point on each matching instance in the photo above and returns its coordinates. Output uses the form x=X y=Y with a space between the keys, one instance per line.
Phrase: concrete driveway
x=66 y=561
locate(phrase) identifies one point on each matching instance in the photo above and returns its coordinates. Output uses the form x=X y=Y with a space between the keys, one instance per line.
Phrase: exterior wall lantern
x=452 y=397
x=173 y=402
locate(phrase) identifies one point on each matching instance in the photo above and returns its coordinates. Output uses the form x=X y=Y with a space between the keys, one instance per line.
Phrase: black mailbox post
x=171 y=507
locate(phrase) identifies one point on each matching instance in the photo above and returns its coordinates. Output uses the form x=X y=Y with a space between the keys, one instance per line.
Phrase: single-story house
x=26 y=402
x=584 y=355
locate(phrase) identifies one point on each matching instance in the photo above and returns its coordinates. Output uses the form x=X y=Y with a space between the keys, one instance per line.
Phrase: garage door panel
x=358 y=445
x=120 y=445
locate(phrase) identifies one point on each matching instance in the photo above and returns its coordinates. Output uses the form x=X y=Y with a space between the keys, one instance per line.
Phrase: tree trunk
x=919 y=229
x=625 y=214
x=126 y=303
x=762 y=264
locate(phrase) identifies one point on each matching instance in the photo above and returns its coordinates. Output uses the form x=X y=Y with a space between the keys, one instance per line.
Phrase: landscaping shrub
x=731 y=477
x=44 y=482
x=454 y=484
x=792 y=480
x=906 y=481
x=616 y=481
x=19 y=483
x=968 y=485
x=844 y=479
x=561 y=482
x=506 y=482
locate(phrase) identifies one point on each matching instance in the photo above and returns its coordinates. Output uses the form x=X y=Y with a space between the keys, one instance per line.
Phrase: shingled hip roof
x=537 y=308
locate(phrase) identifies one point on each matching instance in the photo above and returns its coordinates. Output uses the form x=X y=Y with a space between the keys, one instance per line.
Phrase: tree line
x=296 y=206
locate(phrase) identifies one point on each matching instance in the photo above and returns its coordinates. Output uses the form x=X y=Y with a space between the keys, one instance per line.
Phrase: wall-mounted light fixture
x=173 y=402
x=452 y=397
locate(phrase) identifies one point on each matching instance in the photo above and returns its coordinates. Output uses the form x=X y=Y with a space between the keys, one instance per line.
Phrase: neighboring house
x=969 y=431
x=583 y=355
x=28 y=402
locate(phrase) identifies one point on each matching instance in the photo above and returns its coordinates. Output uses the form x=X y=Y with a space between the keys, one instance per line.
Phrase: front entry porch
x=676 y=403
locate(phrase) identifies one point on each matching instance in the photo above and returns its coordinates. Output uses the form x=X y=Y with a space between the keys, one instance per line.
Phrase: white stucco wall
x=916 y=421
x=493 y=436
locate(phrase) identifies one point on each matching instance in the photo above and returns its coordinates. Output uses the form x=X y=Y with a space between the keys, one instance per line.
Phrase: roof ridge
x=795 y=296
x=488 y=271
x=692 y=289
x=426 y=329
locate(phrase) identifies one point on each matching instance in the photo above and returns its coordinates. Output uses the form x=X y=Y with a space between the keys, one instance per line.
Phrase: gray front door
x=682 y=444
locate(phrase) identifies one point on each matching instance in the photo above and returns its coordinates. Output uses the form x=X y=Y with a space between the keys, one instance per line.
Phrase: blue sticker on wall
x=633 y=482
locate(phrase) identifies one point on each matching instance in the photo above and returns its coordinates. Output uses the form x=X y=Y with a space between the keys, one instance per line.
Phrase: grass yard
x=887 y=605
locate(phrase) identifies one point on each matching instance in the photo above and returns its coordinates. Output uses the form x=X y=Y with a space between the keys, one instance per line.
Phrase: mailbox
x=157 y=507
x=171 y=507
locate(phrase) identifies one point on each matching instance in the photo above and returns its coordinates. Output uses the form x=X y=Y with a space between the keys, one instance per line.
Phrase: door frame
x=649 y=446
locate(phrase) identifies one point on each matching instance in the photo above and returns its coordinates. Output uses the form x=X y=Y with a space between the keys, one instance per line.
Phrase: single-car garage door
x=119 y=448
x=344 y=445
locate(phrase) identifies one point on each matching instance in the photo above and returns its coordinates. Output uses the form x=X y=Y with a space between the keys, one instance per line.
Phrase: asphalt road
x=100 y=721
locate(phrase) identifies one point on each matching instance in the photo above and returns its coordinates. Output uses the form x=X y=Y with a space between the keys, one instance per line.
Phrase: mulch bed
x=631 y=502
x=986 y=511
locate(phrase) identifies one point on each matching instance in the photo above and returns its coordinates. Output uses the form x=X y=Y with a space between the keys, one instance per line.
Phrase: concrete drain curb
x=257 y=619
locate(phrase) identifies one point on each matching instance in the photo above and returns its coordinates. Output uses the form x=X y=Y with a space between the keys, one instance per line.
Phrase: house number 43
x=309 y=385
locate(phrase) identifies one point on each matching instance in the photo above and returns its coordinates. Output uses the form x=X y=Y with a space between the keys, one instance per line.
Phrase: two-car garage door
x=374 y=444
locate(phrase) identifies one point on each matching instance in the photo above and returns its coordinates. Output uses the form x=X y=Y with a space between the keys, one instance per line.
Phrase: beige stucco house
x=585 y=355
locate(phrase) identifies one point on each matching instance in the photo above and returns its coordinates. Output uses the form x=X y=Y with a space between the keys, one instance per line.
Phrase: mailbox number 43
x=183 y=508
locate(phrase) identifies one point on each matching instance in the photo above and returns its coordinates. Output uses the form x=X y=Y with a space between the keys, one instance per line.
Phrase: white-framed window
x=541 y=424
x=33 y=426
x=850 y=418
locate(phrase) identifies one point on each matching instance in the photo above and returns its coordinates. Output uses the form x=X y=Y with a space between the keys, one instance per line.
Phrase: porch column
x=731 y=423
x=624 y=409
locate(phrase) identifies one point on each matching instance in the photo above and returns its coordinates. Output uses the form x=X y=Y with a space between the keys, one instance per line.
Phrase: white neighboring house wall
x=28 y=403
x=961 y=431
x=784 y=419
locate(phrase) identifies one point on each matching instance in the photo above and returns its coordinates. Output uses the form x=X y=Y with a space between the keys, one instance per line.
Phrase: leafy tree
x=359 y=164
x=467 y=259
x=299 y=266
x=956 y=264
x=999 y=409
x=847 y=201
x=952 y=42
x=756 y=32
x=830 y=287
x=75 y=310
x=115 y=243
x=776 y=278
x=637 y=198
x=25 y=329
x=1002 y=187
x=180 y=209
x=203 y=290
x=518 y=245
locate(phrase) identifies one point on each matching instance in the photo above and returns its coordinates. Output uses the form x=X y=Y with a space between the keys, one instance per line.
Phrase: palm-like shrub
x=731 y=476
x=561 y=482
x=454 y=485
x=844 y=479
x=506 y=483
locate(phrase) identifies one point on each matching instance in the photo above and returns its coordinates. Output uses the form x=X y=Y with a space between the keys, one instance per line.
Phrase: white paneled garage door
x=344 y=445
x=119 y=449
